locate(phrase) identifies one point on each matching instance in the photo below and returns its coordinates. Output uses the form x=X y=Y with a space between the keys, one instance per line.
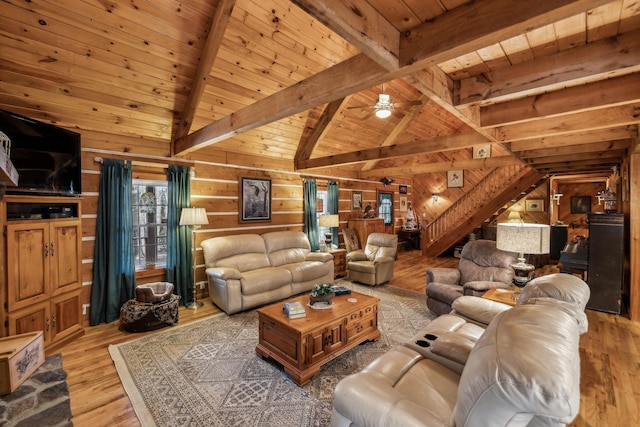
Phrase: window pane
x=149 y=208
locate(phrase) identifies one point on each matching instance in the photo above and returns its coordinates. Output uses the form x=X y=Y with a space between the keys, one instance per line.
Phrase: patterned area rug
x=207 y=373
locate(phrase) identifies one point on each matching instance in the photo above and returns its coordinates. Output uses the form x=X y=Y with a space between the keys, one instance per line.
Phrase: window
x=149 y=213
x=385 y=210
x=322 y=195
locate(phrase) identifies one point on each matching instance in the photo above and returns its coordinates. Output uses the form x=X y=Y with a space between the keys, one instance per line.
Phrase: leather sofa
x=521 y=368
x=373 y=265
x=482 y=266
x=249 y=270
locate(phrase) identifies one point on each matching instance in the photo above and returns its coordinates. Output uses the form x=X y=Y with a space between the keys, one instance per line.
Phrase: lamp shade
x=329 y=220
x=514 y=216
x=193 y=216
x=523 y=238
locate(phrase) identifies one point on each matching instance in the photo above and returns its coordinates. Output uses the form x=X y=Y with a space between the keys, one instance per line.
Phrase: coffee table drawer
x=361 y=327
x=358 y=315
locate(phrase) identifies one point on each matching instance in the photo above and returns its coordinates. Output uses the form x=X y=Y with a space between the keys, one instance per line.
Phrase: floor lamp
x=195 y=217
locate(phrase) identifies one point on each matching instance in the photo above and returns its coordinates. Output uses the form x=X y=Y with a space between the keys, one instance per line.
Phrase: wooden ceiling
x=554 y=83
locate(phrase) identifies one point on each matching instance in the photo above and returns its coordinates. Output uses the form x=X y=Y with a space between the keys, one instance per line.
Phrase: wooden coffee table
x=303 y=345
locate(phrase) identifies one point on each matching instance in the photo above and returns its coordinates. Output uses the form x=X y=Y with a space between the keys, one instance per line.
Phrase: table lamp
x=523 y=239
x=329 y=221
x=195 y=217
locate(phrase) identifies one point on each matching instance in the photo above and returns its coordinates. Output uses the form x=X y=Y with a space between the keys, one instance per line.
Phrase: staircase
x=483 y=201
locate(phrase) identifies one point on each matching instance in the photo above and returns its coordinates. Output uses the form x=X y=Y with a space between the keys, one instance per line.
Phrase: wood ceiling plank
x=517 y=49
x=603 y=21
x=571 y=67
x=361 y=25
x=586 y=137
x=611 y=92
x=571 y=31
x=596 y=147
x=576 y=157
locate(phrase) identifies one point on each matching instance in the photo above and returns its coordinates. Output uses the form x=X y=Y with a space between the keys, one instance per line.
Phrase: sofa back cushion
x=526 y=365
x=243 y=252
x=561 y=286
x=381 y=245
x=286 y=247
x=481 y=261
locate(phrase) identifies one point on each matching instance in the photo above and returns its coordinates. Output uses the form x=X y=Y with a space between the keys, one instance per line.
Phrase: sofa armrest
x=223 y=273
x=358 y=255
x=319 y=256
x=478 y=310
x=450 y=276
x=453 y=346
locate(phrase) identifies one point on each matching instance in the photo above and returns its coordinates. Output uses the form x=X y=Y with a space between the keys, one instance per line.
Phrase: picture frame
x=402 y=189
x=534 y=205
x=482 y=151
x=455 y=178
x=403 y=204
x=580 y=204
x=255 y=199
x=356 y=201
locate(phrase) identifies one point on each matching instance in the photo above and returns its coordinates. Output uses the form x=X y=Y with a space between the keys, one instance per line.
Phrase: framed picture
x=455 y=179
x=402 y=189
x=356 y=201
x=255 y=198
x=534 y=205
x=403 y=203
x=580 y=204
x=482 y=151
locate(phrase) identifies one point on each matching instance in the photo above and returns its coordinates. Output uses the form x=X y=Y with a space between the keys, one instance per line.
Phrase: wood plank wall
x=214 y=187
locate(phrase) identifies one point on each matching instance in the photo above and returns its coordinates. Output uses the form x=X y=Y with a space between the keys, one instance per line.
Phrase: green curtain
x=332 y=208
x=114 y=275
x=310 y=222
x=179 y=260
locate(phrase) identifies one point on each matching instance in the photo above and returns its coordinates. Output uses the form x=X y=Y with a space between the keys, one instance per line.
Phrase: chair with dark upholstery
x=480 y=268
x=155 y=307
x=373 y=265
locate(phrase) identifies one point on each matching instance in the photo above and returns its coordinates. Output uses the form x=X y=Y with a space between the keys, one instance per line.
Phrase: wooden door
x=34 y=318
x=66 y=317
x=27 y=264
x=64 y=256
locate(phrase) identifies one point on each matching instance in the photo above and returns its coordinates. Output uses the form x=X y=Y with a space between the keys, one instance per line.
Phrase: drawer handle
x=368 y=309
x=354 y=315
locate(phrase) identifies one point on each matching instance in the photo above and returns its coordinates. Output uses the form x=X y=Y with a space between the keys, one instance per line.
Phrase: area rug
x=207 y=373
x=42 y=400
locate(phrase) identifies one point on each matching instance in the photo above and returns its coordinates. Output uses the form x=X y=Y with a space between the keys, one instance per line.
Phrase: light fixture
x=434 y=197
x=523 y=239
x=514 y=216
x=556 y=197
x=384 y=105
x=329 y=221
x=195 y=217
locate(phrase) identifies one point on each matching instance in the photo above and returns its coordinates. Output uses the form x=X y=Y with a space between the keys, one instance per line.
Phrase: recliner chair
x=482 y=266
x=373 y=265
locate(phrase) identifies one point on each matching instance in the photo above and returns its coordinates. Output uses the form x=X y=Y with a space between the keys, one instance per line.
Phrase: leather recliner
x=373 y=265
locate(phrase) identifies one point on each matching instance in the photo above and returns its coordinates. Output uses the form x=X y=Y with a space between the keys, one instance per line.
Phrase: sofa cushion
x=308 y=270
x=526 y=364
x=286 y=247
x=243 y=252
x=264 y=280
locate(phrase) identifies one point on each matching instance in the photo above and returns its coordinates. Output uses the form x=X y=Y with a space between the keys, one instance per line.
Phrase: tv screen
x=47 y=157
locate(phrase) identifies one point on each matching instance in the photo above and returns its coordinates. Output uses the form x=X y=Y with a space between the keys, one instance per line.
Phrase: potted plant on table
x=321 y=293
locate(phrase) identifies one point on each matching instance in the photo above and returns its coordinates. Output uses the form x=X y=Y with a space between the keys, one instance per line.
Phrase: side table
x=339 y=262
x=505 y=296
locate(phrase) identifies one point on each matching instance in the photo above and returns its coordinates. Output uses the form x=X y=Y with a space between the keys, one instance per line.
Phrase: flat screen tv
x=47 y=157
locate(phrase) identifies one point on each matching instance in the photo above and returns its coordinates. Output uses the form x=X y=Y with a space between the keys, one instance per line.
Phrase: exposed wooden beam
x=359 y=24
x=217 y=27
x=306 y=147
x=426 y=47
x=586 y=137
x=570 y=67
x=611 y=92
x=602 y=156
x=567 y=150
x=415 y=169
x=398 y=129
x=442 y=143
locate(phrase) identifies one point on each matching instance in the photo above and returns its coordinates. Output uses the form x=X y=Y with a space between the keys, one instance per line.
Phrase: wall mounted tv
x=47 y=157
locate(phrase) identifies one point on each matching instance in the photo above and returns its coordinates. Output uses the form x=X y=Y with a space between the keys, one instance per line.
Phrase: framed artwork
x=534 y=205
x=403 y=203
x=356 y=201
x=482 y=151
x=402 y=189
x=580 y=204
x=255 y=198
x=455 y=179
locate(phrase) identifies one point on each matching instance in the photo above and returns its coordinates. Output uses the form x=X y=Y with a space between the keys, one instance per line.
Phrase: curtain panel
x=179 y=258
x=310 y=223
x=332 y=201
x=114 y=278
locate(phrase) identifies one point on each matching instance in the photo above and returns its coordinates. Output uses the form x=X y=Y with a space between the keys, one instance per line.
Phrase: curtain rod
x=142 y=163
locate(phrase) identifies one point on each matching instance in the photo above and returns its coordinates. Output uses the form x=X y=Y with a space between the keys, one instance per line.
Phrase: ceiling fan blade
x=360 y=107
x=409 y=103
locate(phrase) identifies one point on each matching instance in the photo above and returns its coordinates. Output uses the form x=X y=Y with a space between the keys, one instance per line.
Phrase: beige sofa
x=522 y=369
x=249 y=270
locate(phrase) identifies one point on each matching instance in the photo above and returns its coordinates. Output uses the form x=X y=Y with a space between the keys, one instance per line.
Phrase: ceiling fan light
x=383 y=113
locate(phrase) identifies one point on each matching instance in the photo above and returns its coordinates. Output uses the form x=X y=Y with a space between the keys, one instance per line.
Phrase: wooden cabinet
x=43 y=275
x=339 y=262
x=364 y=227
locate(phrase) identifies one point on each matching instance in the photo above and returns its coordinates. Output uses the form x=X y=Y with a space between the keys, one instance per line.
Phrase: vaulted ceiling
x=554 y=84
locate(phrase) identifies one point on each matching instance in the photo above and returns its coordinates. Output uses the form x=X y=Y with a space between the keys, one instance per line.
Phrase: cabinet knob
x=46 y=250
x=53 y=249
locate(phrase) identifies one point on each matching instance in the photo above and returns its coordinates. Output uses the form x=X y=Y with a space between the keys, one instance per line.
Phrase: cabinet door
x=324 y=341
x=66 y=317
x=64 y=256
x=27 y=264
x=31 y=319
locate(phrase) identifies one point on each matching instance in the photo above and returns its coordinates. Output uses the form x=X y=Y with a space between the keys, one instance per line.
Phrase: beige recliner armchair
x=373 y=265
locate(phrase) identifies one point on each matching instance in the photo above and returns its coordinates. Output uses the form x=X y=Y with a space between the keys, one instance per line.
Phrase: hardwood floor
x=610 y=358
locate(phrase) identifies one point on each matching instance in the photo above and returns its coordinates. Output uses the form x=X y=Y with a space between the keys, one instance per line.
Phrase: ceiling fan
x=384 y=106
